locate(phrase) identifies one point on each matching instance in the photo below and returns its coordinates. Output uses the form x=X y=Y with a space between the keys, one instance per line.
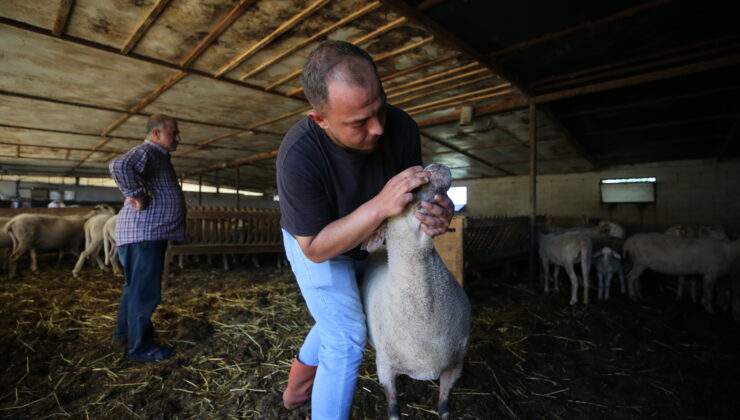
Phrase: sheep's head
x=611 y=229
x=439 y=183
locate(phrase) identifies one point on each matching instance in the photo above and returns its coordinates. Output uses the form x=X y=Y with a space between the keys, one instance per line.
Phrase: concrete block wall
x=692 y=192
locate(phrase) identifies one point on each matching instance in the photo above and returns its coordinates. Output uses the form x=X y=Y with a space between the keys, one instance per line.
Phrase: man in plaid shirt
x=152 y=214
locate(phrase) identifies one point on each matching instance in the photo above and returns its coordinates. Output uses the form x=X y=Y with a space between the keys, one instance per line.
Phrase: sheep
x=607 y=263
x=93 y=228
x=604 y=228
x=5 y=242
x=109 y=244
x=685 y=231
x=678 y=256
x=564 y=250
x=31 y=232
x=418 y=316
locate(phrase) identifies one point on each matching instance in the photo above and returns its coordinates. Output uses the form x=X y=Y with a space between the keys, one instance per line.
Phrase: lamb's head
x=611 y=229
x=405 y=226
x=406 y=223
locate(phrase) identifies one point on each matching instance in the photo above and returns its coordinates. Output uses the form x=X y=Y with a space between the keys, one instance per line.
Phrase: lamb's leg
x=180 y=261
x=34 y=260
x=600 y=291
x=80 y=263
x=546 y=273
x=556 y=278
x=255 y=261
x=225 y=259
x=608 y=285
x=446 y=380
x=632 y=278
x=387 y=378
x=35 y=268
x=573 y=283
x=621 y=282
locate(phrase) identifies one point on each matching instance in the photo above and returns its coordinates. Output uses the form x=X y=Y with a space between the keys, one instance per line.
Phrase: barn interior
x=531 y=104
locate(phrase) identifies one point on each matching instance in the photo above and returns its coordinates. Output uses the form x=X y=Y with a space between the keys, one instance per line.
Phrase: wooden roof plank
x=217 y=30
x=271 y=37
x=367 y=9
x=147 y=22
x=62 y=17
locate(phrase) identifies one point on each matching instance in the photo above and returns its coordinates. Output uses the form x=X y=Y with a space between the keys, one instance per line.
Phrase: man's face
x=169 y=136
x=354 y=118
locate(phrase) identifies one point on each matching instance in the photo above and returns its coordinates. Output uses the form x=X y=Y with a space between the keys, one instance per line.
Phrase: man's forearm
x=343 y=234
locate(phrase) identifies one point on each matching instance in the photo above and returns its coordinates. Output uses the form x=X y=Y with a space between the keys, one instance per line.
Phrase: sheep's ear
x=597 y=254
x=375 y=240
x=616 y=255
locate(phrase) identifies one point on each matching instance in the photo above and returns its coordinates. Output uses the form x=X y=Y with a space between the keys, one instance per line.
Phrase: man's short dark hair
x=157 y=121
x=334 y=59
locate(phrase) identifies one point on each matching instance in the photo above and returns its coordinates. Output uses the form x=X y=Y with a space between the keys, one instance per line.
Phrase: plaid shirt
x=146 y=170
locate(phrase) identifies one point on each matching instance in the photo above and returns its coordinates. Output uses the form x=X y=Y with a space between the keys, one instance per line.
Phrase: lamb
x=109 y=244
x=418 y=316
x=31 y=232
x=607 y=263
x=5 y=242
x=604 y=228
x=677 y=256
x=93 y=228
x=564 y=250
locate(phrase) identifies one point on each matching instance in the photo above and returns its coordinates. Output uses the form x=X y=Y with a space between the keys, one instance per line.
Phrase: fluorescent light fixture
x=459 y=196
x=627 y=180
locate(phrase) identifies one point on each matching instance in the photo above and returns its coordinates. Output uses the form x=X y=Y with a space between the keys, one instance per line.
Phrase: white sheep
x=418 y=316
x=678 y=256
x=109 y=244
x=685 y=231
x=607 y=263
x=6 y=242
x=565 y=250
x=31 y=232
x=93 y=228
x=604 y=228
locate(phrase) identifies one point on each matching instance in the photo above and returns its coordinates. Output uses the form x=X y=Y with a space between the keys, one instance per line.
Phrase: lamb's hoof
x=573 y=302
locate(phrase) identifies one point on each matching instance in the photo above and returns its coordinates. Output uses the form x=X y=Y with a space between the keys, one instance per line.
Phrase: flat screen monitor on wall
x=627 y=190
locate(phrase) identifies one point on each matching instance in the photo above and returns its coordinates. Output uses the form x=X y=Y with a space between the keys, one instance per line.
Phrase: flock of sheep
x=31 y=233
x=705 y=253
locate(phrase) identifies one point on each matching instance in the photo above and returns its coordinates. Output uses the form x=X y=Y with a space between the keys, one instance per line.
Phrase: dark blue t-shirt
x=319 y=183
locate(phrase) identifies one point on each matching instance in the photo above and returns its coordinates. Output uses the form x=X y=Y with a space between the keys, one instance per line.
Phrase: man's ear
x=318 y=119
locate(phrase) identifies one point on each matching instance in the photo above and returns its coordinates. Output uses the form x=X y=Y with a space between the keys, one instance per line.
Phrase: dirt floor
x=532 y=356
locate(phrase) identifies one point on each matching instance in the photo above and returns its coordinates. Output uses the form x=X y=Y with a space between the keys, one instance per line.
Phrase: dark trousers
x=142 y=268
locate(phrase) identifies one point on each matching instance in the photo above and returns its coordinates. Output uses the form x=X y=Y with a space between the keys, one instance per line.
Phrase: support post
x=200 y=189
x=532 y=193
x=237 y=186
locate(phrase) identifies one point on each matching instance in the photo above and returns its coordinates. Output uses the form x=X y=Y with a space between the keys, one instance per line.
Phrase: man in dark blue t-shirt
x=343 y=170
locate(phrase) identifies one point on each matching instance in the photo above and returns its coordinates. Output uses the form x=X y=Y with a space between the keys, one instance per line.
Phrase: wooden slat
x=270 y=37
x=418 y=67
x=357 y=41
x=461 y=101
x=442 y=89
x=456 y=97
x=437 y=76
x=144 y=26
x=62 y=16
x=444 y=81
x=215 y=32
x=363 y=11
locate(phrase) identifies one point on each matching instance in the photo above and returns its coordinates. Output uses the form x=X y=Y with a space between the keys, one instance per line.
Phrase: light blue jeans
x=337 y=339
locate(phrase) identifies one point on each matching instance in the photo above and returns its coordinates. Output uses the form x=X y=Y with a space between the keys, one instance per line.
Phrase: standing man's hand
x=140 y=202
x=439 y=217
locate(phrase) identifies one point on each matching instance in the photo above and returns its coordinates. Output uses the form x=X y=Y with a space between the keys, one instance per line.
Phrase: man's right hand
x=140 y=202
x=396 y=193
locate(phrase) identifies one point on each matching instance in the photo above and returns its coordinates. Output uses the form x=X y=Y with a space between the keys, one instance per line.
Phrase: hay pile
x=235 y=335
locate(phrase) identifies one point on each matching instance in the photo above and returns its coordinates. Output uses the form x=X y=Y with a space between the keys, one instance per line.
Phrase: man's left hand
x=441 y=213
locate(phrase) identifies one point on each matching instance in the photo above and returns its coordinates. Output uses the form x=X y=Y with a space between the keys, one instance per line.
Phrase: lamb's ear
x=616 y=255
x=375 y=240
x=596 y=254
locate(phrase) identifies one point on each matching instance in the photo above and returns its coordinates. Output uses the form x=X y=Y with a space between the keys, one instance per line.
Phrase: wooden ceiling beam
x=144 y=25
x=363 y=11
x=382 y=57
x=442 y=89
x=444 y=81
x=64 y=10
x=437 y=76
x=584 y=26
x=460 y=101
x=428 y=4
x=357 y=41
x=207 y=142
x=464 y=152
x=419 y=67
x=221 y=26
x=454 y=99
x=131 y=55
x=136 y=108
x=237 y=162
x=284 y=27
